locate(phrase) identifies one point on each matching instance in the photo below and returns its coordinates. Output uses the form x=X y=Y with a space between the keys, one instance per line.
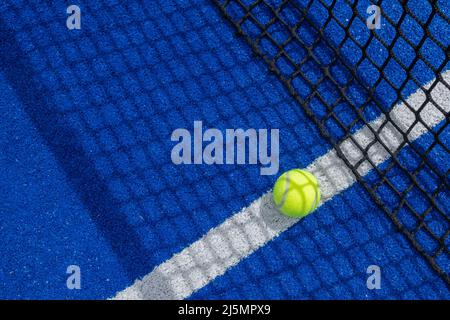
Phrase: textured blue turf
x=43 y=224
x=86 y=172
x=359 y=52
x=113 y=139
x=326 y=255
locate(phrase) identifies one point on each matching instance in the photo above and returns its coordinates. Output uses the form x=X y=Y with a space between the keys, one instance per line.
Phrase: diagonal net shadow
x=64 y=144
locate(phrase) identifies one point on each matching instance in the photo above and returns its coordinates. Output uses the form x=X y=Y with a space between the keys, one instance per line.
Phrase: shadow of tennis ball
x=296 y=193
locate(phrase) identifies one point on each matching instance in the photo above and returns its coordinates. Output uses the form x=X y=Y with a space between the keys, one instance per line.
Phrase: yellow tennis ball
x=296 y=193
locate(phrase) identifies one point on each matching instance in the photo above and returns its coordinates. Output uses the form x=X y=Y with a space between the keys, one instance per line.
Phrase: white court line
x=246 y=231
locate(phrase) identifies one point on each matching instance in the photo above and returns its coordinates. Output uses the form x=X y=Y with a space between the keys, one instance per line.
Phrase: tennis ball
x=296 y=193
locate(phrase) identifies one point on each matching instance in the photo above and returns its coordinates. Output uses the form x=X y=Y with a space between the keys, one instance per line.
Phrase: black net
x=377 y=88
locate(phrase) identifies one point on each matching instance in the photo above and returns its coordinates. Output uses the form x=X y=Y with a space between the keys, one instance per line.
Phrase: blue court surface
x=87 y=178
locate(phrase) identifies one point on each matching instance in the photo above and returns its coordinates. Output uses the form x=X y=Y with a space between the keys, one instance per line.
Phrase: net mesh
x=386 y=84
